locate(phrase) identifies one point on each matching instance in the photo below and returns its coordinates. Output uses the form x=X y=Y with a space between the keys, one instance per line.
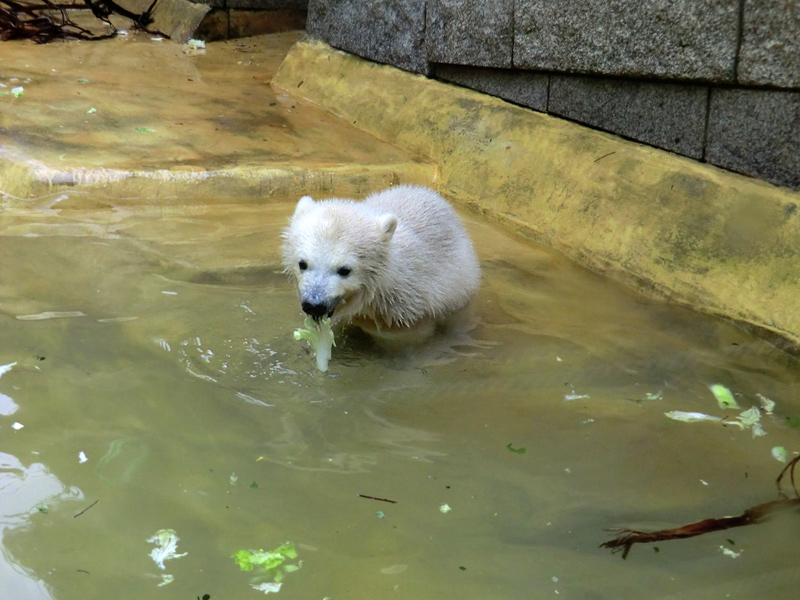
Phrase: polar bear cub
x=398 y=262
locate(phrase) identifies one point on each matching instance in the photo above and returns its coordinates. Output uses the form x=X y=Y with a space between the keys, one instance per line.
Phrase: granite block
x=214 y=26
x=756 y=132
x=685 y=39
x=525 y=88
x=244 y=23
x=386 y=31
x=770 y=52
x=665 y=115
x=470 y=32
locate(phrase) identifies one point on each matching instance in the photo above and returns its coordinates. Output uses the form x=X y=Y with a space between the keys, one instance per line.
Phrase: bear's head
x=338 y=252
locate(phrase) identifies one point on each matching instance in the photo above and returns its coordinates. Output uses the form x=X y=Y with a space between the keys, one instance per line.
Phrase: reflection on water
x=27 y=494
x=162 y=350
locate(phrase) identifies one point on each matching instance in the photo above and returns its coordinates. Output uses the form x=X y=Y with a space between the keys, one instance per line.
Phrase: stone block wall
x=243 y=18
x=714 y=80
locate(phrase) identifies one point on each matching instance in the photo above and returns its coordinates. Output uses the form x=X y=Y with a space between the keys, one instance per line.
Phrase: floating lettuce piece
x=166 y=541
x=750 y=417
x=723 y=396
x=779 y=453
x=320 y=336
x=767 y=404
x=269 y=563
x=692 y=417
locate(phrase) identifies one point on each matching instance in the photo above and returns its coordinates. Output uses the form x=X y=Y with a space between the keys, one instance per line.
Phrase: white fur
x=410 y=258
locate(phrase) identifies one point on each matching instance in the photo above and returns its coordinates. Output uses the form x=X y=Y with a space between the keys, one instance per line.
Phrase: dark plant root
x=44 y=20
x=626 y=538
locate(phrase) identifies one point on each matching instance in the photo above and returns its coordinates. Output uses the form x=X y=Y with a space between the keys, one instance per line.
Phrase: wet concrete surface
x=165 y=119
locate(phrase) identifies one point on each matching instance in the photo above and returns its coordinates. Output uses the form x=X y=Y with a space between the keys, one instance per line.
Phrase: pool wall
x=663 y=224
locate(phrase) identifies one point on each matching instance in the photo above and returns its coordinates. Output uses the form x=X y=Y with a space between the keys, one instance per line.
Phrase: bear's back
x=433 y=263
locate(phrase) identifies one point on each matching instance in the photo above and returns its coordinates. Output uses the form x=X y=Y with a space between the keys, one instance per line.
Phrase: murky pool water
x=158 y=343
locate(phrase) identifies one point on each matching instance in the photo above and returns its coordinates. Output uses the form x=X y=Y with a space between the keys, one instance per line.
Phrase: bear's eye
x=302 y=265
x=343 y=271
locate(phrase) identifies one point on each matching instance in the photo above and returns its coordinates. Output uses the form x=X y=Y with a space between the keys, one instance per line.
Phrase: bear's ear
x=303 y=205
x=387 y=225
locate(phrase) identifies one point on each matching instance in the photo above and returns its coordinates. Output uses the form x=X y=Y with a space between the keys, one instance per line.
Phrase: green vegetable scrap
x=320 y=336
x=748 y=419
x=517 y=450
x=780 y=454
x=145 y=130
x=723 y=396
x=270 y=565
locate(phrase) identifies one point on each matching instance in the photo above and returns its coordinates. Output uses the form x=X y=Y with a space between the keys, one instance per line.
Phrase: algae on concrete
x=665 y=225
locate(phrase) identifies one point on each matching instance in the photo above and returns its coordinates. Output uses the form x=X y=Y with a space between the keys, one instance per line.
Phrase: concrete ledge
x=665 y=225
x=24 y=178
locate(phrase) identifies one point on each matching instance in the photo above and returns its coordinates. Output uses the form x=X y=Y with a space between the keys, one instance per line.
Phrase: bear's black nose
x=315 y=310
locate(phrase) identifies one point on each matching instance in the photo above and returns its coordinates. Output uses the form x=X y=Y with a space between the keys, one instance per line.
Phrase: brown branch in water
x=45 y=20
x=626 y=538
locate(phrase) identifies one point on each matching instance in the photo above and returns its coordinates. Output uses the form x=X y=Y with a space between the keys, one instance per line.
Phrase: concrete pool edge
x=22 y=176
x=665 y=225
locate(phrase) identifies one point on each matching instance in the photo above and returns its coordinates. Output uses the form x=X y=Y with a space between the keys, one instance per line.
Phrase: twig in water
x=85 y=509
x=626 y=538
x=378 y=499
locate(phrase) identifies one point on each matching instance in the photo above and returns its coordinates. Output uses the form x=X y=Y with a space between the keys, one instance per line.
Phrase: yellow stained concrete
x=148 y=121
x=663 y=224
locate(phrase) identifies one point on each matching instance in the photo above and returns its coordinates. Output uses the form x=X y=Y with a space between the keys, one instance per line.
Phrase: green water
x=158 y=342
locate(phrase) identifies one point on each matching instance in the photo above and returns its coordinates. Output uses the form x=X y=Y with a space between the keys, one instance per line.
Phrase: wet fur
x=412 y=267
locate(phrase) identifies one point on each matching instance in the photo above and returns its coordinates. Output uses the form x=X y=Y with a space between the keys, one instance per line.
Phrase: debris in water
x=378 y=499
x=82 y=457
x=729 y=552
x=779 y=453
x=691 y=417
x=766 y=404
x=748 y=419
x=723 y=395
x=519 y=450
x=445 y=508
x=85 y=509
x=271 y=566
x=320 y=336
x=626 y=538
x=166 y=541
